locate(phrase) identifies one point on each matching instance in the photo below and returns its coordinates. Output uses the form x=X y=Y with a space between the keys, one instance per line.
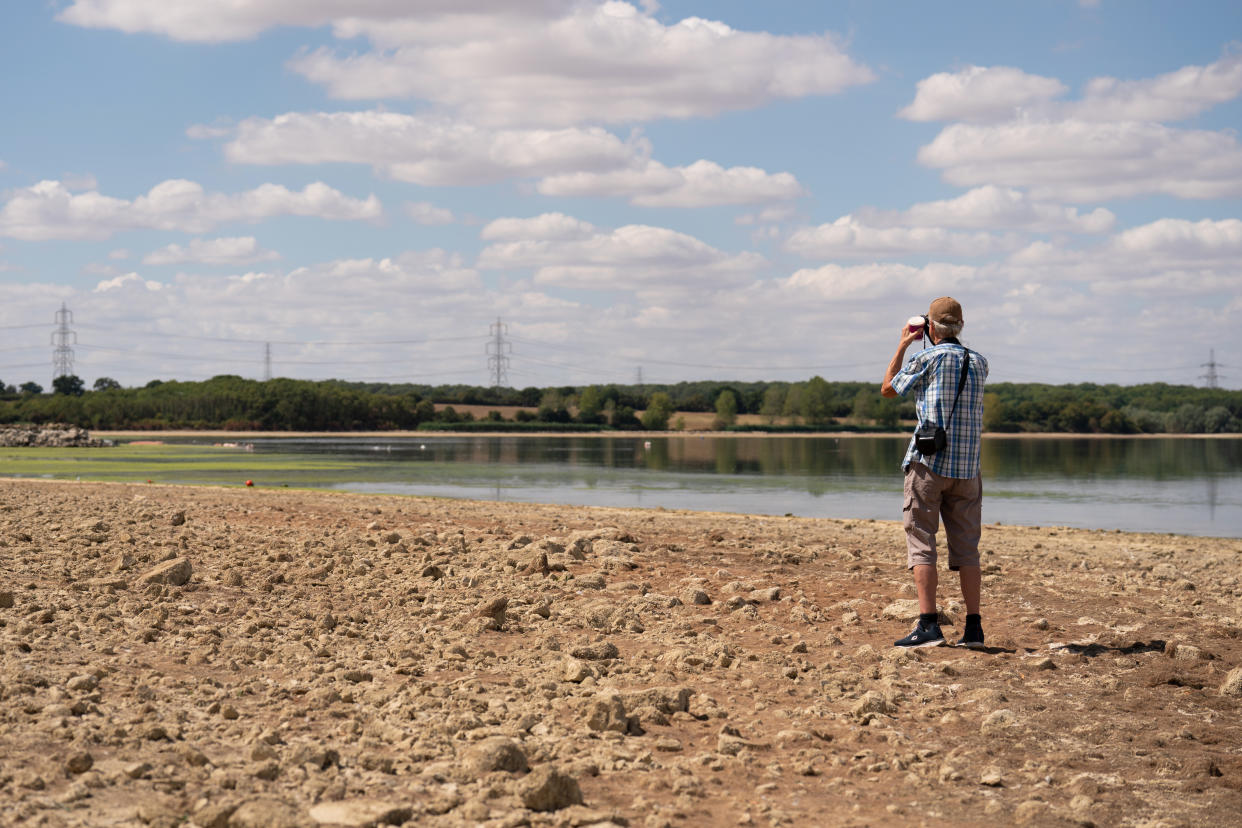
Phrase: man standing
x=945 y=483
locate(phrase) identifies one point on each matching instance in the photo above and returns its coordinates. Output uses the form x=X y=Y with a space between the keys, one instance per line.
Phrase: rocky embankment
x=210 y=657
x=54 y=435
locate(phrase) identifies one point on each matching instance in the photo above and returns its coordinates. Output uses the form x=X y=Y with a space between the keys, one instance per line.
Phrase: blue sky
x=705 y=190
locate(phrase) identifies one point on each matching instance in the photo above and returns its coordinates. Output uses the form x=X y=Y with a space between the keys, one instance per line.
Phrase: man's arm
x=894 y=365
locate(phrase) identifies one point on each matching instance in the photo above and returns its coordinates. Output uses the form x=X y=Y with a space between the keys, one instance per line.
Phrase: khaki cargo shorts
x=928 y=497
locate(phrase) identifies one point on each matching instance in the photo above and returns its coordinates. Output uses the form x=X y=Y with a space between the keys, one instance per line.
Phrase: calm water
x=1183 y=485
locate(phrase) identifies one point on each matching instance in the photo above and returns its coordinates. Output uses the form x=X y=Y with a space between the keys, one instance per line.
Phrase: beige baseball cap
x=945 y=311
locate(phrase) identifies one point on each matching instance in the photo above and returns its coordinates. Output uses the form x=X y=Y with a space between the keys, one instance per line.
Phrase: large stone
x=1232 y=685
x=607 y=713
x=268 y=813
x=361 y=813
x=595 y=652
x=175 y=572
x=497 y=753
x=547 y=789
x=664 y=699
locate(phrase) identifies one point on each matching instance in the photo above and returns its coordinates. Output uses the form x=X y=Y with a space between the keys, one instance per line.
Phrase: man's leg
x=972 y=582
x=925 y=580
x=961 y=507
x=921 y=517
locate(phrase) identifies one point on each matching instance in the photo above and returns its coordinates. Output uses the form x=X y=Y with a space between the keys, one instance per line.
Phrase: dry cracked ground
x=230 y=657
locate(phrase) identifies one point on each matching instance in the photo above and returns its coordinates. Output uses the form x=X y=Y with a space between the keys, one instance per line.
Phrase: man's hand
x=908 y=337
x=894 y=366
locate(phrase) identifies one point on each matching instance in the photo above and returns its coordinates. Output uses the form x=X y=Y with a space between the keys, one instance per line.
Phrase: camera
x=917 y=323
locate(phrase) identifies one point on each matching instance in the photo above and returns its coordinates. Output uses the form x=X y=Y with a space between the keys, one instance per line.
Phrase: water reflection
x=1176 y=484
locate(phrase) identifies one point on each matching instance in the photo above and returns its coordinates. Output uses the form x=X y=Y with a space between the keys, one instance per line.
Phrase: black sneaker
x=972 y=638
x=929 y=636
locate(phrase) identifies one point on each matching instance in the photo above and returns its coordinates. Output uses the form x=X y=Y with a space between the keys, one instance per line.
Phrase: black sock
x=972 y=618
x=927 y=619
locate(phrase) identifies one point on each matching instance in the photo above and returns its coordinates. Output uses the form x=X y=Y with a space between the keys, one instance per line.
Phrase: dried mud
x=215 y=657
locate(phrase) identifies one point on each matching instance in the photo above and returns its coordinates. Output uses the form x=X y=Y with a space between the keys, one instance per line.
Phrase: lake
x=1184 y=485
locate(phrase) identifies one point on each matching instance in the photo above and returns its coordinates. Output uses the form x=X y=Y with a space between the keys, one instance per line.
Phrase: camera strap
x=961 y=382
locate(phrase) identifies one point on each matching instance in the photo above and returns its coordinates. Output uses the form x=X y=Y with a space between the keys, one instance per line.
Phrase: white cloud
x=119 y=253
x=1083 y=161
x=205 y=132
x=428 y=151
x=127 y=282
x=424 y=212
x=48 y=210
x=601 y=62
x=234 y=250
x=1169 y=97
x=214 y=21
x=621 y=259
x=1109 y=144
x=979 y=92
x=837 y=283
x=999 y=93
x=701 y=184
x=547 y=227
x=993 y=208
x=847 y=237
x=1184 y=242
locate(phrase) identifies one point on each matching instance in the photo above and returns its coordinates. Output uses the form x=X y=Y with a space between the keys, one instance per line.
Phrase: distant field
x=694 y=420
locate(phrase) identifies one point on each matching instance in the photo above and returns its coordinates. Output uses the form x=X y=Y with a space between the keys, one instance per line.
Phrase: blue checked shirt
x=932 y=374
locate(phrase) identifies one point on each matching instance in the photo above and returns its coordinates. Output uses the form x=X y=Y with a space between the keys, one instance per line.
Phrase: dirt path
x=346 y=659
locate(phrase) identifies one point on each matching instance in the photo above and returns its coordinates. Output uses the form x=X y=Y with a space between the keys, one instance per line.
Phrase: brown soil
x=329 y=649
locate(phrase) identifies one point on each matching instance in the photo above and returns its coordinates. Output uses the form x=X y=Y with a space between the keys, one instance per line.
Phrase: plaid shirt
x=933 y=374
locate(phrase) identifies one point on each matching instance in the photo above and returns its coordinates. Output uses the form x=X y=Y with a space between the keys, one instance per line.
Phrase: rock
x=907 y=611
x=607 y=712
x=547 y=789
x=177 y=519
x=83 y=683
x=696 y=596
x=267 y=771
x=1232 y=685
x=79 y=762
x=595 y=652
x=669 y=744
x=432 y=571
x=998 y=721
x=361 y=813
x=991 y=777
x=1187 y=652
x=872 y=701
x=357 y=676
x=766 y=595
x=215 y=814
x=497 y=753
x=592 y=581
x=576 y=671
x=538 y=565
x=175 y=572
x=268 y=813
x=1031 y=811
x=665 y=699
x=6 y=599
x=494 y=610
x=138 y=770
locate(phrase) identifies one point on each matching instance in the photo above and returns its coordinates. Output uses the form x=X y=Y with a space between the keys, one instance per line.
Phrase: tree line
x=231 y=402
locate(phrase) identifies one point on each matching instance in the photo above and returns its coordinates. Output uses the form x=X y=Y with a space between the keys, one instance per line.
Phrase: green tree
x=655 y=418
x=31 y=388
x=773 y=403
x=726 y=410
x=552 y=408
x=70 y=385
x=817 y=401
x=105 y=384
x=994 y=411
x=590 y=405
x=888 y=413
x=865 y=404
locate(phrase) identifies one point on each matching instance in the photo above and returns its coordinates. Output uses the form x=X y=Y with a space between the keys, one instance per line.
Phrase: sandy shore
x=212 y=657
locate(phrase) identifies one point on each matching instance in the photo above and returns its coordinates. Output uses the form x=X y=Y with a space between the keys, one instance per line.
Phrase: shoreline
x=242 y=435
x=181 y=654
